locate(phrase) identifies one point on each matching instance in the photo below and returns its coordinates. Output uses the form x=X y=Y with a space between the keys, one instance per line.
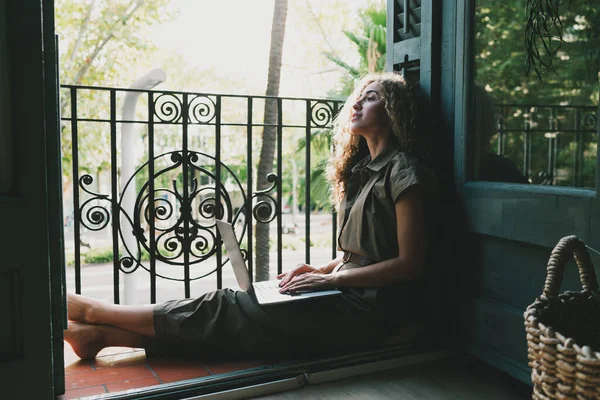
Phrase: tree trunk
x=269 y=137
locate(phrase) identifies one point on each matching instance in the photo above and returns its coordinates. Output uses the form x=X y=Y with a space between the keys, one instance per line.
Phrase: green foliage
x=320 y=144
x=319 y=187
x=543 y=34
x=500 y=55
x=500 y=61
x=320 y=141
x=98 y=256
x=105 y=255
x=100 y=42
x=370 y=41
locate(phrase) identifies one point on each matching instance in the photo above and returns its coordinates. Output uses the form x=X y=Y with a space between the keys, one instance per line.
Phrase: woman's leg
x=138 y=319
x=87 y=340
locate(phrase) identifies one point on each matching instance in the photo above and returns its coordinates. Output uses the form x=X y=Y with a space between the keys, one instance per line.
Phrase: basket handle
x=556 y=266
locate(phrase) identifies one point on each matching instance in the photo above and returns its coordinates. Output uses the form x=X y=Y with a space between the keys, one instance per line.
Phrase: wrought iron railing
x=545 y=138
x=161 y=211
x=199 y=154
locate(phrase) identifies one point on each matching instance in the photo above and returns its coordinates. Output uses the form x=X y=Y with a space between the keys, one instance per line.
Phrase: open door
x=30 y=213
x=526 y=162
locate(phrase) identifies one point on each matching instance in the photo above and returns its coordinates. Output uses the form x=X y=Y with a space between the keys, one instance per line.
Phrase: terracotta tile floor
x=117 y=369
x=121 y=368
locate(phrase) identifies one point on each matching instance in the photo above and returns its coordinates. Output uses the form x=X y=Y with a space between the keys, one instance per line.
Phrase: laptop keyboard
x=268 y=291
x=266 y=286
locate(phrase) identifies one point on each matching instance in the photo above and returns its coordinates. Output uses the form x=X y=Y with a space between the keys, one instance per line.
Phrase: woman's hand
x=307 y=281
x=305 y=277
x=299 y=270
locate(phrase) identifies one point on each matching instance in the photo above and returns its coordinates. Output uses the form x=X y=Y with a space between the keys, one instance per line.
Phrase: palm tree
x=370 y=39
x=269 y=137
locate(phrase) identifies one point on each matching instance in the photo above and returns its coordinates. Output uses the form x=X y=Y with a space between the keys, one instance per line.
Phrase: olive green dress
x=231 y=324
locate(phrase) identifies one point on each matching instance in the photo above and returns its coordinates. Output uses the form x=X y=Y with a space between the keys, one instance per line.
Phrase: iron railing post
x=151 y=194
x=527 y=149
x=116 y=215
x=279 y=181
x=76 y=201
x=307 y=185
x=500 y=130
x=185 y=202
x=249 y=183
x=578 y=156
x=333 y=212
x=218 y=213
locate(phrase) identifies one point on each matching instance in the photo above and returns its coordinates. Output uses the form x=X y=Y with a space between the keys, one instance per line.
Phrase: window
x=528 y=130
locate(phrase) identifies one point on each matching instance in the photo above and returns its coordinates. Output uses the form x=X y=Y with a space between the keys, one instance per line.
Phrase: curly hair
x=349 y=148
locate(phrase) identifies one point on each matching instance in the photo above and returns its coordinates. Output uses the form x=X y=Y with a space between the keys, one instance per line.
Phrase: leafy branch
x=543 y=35
x=110 y=33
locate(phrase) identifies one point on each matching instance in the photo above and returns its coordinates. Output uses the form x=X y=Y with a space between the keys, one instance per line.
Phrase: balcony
x=127 y=374
x=144 y=184
x=200 y=150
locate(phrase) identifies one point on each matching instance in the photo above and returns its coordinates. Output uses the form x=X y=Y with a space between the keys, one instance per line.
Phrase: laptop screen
x=235 y=254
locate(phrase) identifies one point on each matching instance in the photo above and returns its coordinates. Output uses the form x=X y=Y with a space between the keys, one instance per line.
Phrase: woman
x=386 y=197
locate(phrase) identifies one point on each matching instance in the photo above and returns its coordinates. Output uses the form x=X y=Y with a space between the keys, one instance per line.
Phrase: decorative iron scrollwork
x=128 y=264
x=201 y=109
x=265 y=209
x=590 y=120
x=168 y=108
x=321 y=114
x=544 y=178
x=182 y=218
x=244 y=254
x=93 y=216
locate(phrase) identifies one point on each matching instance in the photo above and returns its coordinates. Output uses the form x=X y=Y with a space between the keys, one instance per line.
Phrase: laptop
x=266 y=292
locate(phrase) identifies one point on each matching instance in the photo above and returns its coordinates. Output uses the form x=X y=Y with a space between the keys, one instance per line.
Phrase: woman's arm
x=408 y=265
x=327 y=268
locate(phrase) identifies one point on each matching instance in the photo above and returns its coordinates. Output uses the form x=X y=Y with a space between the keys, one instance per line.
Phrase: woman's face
x=369 y=116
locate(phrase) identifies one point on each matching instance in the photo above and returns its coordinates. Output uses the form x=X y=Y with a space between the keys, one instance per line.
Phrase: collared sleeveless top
x=367 y=215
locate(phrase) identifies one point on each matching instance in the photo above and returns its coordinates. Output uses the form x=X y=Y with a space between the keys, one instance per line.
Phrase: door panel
x=492 y=327
x=515 y=225
x=514 y=271
x=12 y=329
x=6 y=156
x=411 y=42
x=527 y=216
x=55 y=216
x=24 y=209
x=404 y=31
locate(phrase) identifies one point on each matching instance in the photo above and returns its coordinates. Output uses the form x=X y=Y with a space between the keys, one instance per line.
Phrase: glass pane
x=5 y=130
x=531 y=131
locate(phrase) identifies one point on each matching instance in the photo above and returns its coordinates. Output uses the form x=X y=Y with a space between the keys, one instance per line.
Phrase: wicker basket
x=563 y=331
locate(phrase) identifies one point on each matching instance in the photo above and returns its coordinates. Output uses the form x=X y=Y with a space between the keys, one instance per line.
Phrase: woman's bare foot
x=81 y=309
x=86 y=340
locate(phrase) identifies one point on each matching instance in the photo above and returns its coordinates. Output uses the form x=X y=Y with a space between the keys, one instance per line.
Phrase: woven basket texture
x=563 y=330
